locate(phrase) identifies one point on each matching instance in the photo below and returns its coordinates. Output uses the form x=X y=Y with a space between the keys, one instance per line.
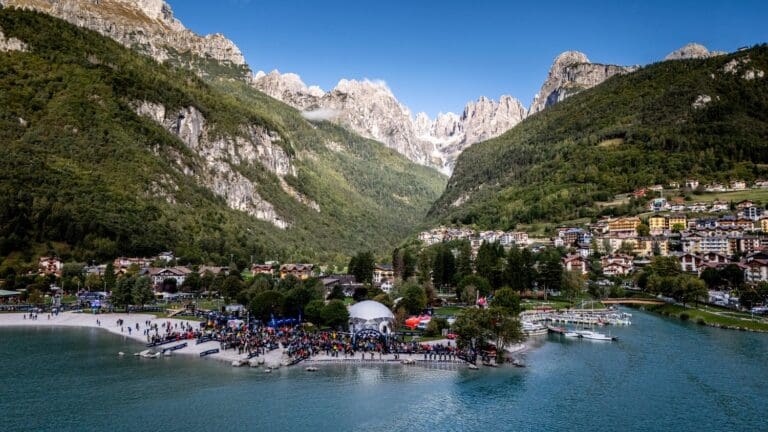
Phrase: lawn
x=760 y=195
x=710 y=318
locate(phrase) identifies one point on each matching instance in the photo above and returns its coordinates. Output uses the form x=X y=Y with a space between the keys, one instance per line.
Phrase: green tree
x=643 y=230
x=141 y=292
x=122 y=295
x=191 y=283
x=409 y=264
x=361 y=267
x=436 y=326
x=288 y=283
x=463 y=260
x=335 y=314
x=297 y=299
x=231 y=287
x=414 y=298
x=93 y=282
x=572 y=285
x=489 y=263
x=313 y=312
x=110 y=278
x=443 y=267
x=337 y=293
x=266 y=304
x=507 y=300
x=473 y=285
x=550 y=270
x=262 y=282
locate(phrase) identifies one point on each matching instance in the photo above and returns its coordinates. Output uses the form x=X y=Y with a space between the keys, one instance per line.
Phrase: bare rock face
x=571 y=73
x=221 y=156
x=370 y=109
x=147 y=25
x=11 y=44
x=690 y=51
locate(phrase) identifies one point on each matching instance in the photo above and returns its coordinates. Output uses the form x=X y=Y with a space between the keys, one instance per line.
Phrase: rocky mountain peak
x=568 y=58
x=689 y=51
x=147 y=25
x=572 y=72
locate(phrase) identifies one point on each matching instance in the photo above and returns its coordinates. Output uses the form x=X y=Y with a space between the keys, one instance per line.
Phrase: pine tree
x=110 y=279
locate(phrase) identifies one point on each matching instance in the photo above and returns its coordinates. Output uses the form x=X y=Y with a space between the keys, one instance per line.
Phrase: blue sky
x=437 y=55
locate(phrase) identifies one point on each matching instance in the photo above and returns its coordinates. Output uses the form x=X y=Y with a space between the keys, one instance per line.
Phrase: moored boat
x=591 y=335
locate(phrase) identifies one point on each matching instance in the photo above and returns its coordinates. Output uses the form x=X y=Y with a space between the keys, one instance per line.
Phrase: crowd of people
x=297 y=342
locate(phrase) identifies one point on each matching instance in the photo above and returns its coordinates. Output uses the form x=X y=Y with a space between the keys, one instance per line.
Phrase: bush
x=436 y=326
x=701 y=321
x=684 y=316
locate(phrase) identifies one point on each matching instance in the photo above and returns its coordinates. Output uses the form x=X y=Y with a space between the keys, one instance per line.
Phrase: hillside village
x=700 y=235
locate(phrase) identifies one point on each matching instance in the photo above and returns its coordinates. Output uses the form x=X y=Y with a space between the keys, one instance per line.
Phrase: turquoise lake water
x=661 y=375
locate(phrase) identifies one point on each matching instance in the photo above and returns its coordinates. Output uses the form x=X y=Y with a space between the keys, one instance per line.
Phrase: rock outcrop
x=11 y=44
x=146 y=25
x=690 y=51
x=571 y=73
x=222 y=156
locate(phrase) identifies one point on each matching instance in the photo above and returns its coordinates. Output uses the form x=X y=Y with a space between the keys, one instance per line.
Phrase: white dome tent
x=370 y=315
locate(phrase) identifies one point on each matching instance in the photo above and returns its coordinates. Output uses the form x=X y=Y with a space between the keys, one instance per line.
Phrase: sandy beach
x=109 y=323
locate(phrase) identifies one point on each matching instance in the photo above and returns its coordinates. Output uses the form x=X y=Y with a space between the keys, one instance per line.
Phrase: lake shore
x=273 y=359
x=109 y=323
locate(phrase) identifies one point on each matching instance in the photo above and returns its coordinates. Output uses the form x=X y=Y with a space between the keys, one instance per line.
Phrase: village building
x=159 y=275
x=624 y=226
x=50 y=265
x=301 y=271
x=383 y=273
x=267 y=269
x=213 y=270
x=575 y=263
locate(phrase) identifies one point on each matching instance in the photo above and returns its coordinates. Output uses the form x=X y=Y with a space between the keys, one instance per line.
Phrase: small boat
x=408 y=361
x=534 y=329
x=267 y=370
x=121 y=353
x=237 y=363
x=210 y=351
x=311 y=369
x=473 y=367
x=571 y=334
x=555 y=329
x=152 y=355
x=588 y=334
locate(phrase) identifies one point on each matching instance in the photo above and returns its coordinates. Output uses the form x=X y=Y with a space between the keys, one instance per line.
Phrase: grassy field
x=711 y=316
x=448 y=310
x=760 y=195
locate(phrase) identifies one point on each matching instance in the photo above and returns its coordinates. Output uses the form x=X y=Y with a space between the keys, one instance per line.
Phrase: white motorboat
x=311 y=369
x=588 y=334
x=534 y=329
x=571 y=334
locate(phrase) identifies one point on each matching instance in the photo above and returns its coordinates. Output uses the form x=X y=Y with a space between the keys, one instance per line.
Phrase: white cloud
x=321 y=114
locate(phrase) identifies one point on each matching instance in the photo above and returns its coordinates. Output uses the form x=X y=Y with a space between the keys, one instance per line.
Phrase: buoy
x=121 y=353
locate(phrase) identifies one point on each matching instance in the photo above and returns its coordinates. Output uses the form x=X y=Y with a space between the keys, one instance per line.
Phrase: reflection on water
x=661 y=375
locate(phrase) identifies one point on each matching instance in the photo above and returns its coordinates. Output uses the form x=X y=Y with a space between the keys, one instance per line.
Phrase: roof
x=297 y=267
x=370 y=310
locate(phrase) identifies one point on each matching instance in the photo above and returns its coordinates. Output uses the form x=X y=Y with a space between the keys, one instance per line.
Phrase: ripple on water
x=661 y=375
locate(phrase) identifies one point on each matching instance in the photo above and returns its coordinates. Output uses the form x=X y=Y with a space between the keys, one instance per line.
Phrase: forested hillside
x=704 y=119
x=85 y=175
